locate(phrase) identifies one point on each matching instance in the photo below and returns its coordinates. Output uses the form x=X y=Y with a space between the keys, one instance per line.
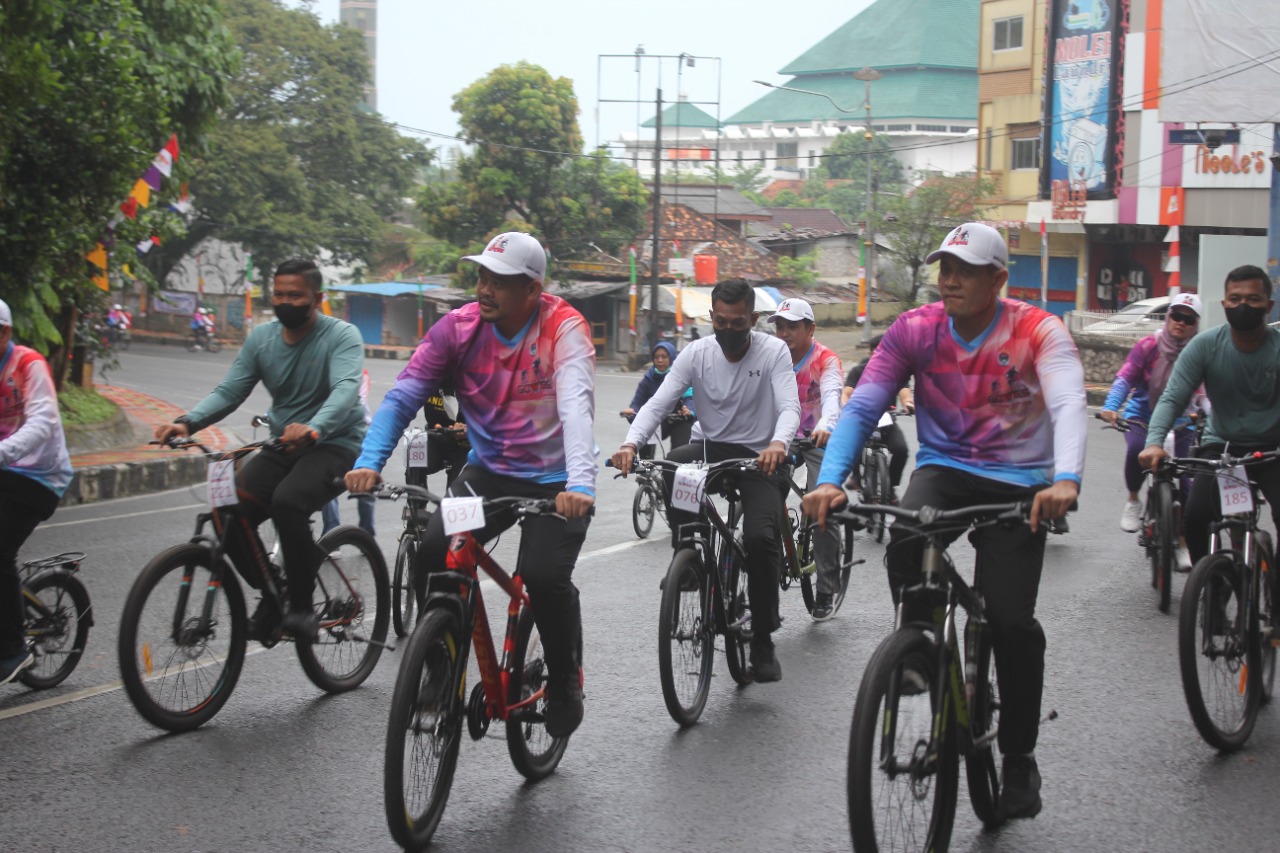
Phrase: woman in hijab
x=664 y=354
x=1141 y=381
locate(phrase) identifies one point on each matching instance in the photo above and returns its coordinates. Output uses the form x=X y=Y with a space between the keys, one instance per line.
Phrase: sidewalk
x=121 y=472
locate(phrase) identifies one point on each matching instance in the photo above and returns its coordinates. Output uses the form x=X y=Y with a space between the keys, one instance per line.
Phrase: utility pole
x=866 y=75
x=655 y=327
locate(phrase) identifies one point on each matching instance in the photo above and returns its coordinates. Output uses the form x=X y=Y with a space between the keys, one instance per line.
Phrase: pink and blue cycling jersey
x=981 y=405
x=528 y=401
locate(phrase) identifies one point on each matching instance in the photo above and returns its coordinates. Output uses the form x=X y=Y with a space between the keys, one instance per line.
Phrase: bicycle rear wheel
x=424 y=730
x=404 y=601
x=875 y=488
x=737 y=614
x=351 y=600
x=1266 y=575
x=685 y=639
x=643 y=509
x=1160 y=509
x=1218 y=655
x=981 y=765
x=56 y=630
x=178 y=666
x=534 y=752
x=900 y=796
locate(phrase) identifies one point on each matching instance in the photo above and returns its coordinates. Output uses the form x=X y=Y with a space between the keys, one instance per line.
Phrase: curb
x=125 y=479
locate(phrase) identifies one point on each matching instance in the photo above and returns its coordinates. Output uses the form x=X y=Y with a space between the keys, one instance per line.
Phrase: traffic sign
x=1191 y=136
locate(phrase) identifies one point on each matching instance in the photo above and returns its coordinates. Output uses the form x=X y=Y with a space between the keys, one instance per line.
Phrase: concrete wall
x=1102 y=357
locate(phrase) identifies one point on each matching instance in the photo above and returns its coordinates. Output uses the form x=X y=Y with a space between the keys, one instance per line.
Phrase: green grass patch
x=81 y=406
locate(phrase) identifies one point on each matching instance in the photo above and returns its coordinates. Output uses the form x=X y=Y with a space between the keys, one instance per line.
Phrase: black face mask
x=292 y=316
x=1245 y=318
x=732 y=341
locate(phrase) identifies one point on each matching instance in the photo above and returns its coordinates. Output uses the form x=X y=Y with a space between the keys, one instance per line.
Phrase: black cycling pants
x=549 y=549
x=288 y=487
x=24 y=503
x=1203 y=506
x=1009 y=564
x=762 y=498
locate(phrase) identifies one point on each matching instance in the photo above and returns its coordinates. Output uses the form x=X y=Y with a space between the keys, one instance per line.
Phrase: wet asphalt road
x=284 y=767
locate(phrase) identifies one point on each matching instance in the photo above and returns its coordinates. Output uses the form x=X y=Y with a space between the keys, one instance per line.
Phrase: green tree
x=297 y=166
x=802 y=270
x=525 y=167
x=89 y=91
x=915 y=223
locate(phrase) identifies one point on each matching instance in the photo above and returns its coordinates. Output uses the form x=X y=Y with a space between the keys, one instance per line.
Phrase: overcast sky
x=429 y=50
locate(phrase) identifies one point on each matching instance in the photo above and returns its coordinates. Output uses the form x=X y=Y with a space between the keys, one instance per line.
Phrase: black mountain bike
x=876 y=483
x=650 y=499
x=928 y=696
x=798 y=559
x=58 y=618
x=184 y=632
x=1227 y=625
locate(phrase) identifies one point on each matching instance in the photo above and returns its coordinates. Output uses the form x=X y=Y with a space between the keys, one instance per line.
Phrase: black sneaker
x=563 y=710
x=264 y=622
x=822 y=607
x=1020 y=788
x=11 y=666
x=302 y=625
x=764 y=663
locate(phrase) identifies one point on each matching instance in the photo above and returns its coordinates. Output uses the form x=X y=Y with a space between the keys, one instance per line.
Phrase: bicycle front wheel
x=534 y=752
x=1160 y=503
x=643 y=509
x=57 y=629
x=844 y=559
x=424 y=730
x=182 y=638
x=902 y=782
x=685 y=639
x=1266 y=575
x=352 y=602
x=1218 y=654
x=981 y=765
x=404 y=601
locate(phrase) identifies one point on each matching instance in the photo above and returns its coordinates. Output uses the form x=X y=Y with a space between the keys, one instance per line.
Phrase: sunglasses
x=1184 y=319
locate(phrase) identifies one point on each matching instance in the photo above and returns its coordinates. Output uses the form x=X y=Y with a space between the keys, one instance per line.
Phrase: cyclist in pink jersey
x=1000 y=416
x=522 y=366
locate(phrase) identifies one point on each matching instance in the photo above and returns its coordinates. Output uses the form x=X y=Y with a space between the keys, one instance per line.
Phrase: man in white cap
x=1000 y=415
x=819 y=380
x=522 y=367
x=1140 y=381
x=34 y=472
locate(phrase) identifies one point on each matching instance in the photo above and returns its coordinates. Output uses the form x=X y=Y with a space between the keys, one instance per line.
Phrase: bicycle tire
x=1220 y=680
x=214 y=345
x=686 y=642
x=349 y=643
x=883 y=493
x=197 y=668
x=58 y=639
x=982 y=764
x=643 y=511
x=845 y=560
x=737 y=612
x=1266 y=609
x=419 y=730
x=404 y=601
x=534 y=753
x=1160 y=504
x=922 y=796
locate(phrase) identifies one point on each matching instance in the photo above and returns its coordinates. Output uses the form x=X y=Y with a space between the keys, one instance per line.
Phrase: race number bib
x=885 y=420
x=418 y=454
x=1234 y=491
x=222 y=484
x=462 y=514
x=687 y=490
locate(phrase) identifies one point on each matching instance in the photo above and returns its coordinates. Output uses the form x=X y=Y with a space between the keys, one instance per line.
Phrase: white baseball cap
x=793 y=309
x=974 y=243
x=513 y=253
x=6 y=316
x=1189 y=301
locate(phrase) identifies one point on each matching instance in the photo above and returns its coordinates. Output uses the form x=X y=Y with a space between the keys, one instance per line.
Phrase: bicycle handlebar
x=1017 y=511
x=671 y=418
x=522 y=506
x=185 y=442
x=1121 y=425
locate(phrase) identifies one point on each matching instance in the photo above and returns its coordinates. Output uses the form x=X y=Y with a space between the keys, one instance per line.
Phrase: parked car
x=1134 y=321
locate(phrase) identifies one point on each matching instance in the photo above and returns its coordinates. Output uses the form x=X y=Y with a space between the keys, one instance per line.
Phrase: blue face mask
x=661 y=372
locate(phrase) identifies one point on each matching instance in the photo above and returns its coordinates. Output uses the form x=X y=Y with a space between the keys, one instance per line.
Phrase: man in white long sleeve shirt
x=819 y=381
x=744 y=391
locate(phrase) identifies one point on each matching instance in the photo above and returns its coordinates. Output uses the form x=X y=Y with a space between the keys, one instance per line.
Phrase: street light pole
x=866 y=74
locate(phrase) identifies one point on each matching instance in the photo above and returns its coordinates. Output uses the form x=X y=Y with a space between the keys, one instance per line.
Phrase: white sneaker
x=1182 y=559
x=1131 y=518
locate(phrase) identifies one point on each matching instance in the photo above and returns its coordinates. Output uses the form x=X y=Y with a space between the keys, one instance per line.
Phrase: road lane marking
x=123 y=515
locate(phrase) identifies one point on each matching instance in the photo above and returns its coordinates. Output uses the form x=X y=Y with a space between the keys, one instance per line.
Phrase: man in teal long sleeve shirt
x=311 y=364
x=1239 y=366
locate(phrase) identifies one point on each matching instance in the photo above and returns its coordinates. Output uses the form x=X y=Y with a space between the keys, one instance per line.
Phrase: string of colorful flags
x=140 y=196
